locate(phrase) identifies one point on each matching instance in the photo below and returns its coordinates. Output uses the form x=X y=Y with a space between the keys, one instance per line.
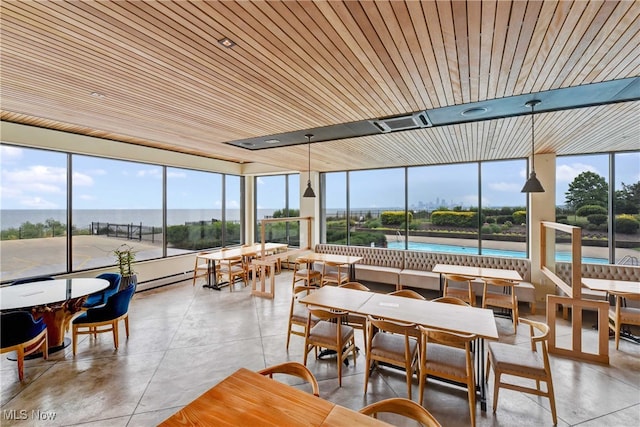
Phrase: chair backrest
x=500 y=283
x=407 y=293
x=31 y=279
x=296 y=369
x=459 y=278
x=114 y=282
x=325 y=314
x=402 y=406
x=117 y=305
x=445 y=338
x=355 y=285
x=19 y=327
x=539 y=333
x=450 y=300
x=406 y=329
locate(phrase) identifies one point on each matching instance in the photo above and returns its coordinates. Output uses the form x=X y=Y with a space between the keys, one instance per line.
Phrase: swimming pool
x=436 y=247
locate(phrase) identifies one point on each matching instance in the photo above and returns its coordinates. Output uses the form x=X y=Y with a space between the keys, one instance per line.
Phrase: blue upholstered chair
x=22 y=334
x=100 y=298
x=108 y=316
x=31 y=279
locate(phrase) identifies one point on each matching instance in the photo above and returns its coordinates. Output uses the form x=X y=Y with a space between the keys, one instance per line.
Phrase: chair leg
x=552 y=400
x=126 y=324
x=471 y=391
x=496 y=388
x=114 y=329
x=45 y=347
x=20 y=358
x=74 y=337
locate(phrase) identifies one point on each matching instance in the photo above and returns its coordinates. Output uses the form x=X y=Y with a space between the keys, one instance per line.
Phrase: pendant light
x=532 y=185
x=309 y=191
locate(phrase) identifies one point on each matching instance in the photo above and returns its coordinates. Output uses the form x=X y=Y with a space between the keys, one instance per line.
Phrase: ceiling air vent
x=413 y=121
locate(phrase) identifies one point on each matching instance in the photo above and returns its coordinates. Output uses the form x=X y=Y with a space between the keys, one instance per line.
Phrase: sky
x=36 y=179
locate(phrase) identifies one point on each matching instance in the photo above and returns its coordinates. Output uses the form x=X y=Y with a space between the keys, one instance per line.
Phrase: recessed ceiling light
x=247 y=144
x=272 y=141
x=97 y=95
x=227 y=42
x=474 y=111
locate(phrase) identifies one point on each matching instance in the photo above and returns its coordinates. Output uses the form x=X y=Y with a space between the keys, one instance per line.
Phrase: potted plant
x=125 y=258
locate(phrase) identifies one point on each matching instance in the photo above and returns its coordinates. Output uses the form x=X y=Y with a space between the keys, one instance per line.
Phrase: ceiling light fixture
x=309 y=191
x=532 y=185
x=227 y=42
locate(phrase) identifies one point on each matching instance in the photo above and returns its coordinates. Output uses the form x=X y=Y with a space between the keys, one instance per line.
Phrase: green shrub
x=587 y=210
x=597 y=219
x=560 y=218
x=490 y=229
x=627 y=224
x=455 y=219
x=519 y=217
x=490 y=220
x=394 y=217
x=501 y=219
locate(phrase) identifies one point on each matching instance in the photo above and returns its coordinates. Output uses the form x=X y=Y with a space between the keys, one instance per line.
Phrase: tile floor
x=185 y=339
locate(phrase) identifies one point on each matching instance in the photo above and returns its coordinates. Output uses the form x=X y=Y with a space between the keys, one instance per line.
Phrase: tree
x=588 y=188
x=628 y=199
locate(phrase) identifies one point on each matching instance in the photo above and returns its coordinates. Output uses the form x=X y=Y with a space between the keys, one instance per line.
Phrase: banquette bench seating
x=406 y=268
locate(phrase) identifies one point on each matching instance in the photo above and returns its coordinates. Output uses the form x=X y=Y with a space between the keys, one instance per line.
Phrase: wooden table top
x=337 y=259
x=243 y=251
x=479 y=272
x=246 y=398
x=448 y=317
x=612 y=286
x=48 y=292
x=337 y=298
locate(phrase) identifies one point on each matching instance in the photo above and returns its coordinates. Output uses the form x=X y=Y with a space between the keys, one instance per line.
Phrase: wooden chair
x=407 y=293
x=465 y=294
x=298 y=313
x=233 y=268
x=334 y=274
x=91 y=321
x=450 y=300
x=296 y=369
x=509 y=359
x=201 y=267
x=401 y=406
x=393 y=343
x=620 y=314
x=24 y=335
x=303 y=271
x=330 y=333
x=357 y=321
x=505 y=298
x=448 y=356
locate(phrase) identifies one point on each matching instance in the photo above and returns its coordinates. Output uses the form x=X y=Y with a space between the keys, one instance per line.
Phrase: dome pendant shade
x=309 y=191
x=533 y=184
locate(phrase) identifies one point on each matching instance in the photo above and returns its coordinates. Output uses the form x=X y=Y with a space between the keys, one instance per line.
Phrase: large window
x=194 y=211
x=114 y=203
x=585 y=197
x=334 y=201
x=444 y=205
x=34 y=212
x=275 y=198
x=504 y=212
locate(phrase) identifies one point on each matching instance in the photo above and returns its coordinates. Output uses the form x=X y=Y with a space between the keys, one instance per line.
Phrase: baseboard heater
x=163 y=281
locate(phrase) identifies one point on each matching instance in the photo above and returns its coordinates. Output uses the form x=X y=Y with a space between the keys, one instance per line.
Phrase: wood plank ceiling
x=160 y=78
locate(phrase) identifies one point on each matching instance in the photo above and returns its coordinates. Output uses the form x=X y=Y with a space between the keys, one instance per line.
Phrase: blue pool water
x=435 y=247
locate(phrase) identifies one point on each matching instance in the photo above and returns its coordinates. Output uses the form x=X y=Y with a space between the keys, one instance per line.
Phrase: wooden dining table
x=477 y=272
x=211 y=258
x=348 y=260
x=246 y=398
x=447 y=317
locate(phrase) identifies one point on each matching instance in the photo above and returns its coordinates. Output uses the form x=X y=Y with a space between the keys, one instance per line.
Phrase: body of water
x=82 y=218
x=436 y=247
